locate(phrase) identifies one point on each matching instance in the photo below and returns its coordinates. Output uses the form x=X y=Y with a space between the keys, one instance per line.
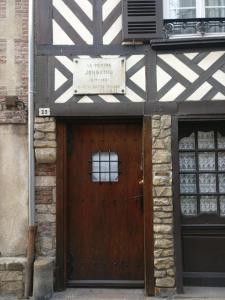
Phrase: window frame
x=198 y=172
x=199 y=24
x=107 y=175
x=200 y=9
x=178 y=124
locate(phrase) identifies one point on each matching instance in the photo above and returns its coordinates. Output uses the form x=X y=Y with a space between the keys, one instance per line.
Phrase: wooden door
x=105 y=207
x=202 y=199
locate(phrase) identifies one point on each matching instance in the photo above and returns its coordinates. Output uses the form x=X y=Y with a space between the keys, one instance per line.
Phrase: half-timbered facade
x=137 y=175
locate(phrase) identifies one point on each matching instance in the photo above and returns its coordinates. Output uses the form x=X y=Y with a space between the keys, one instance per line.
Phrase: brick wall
x=14 y=49
x=12 y=271
x=45 y=153
x=2 y=8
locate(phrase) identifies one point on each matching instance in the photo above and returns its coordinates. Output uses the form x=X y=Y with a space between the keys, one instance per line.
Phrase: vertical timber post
x=177 y=225
x=148 y=206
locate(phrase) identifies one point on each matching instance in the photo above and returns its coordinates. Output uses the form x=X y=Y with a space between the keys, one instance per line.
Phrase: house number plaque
x=99 y=76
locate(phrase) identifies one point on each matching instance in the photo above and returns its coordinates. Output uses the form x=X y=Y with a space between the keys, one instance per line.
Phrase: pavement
x=133 y=294
x=191 y=293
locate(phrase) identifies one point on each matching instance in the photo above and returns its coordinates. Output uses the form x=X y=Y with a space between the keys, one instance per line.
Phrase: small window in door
x=105 y=167
x=202 y=170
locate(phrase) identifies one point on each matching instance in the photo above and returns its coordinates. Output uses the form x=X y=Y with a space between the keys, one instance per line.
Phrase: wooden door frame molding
x=148 y=207
x=61 y=204
x=176 y=203
x=176 y=120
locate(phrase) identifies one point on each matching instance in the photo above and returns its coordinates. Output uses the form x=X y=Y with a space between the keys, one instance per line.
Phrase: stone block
x=45 y=127
x=45 y=181
x=167 y=208
x=163 y=215
x=163 y=236
x=169 y=252
x=157 y=221
x=170 y=272
x=12 y=263
x=43 y=119
x=46 y=229
x=158 y=252
x=164 y=133
x=45 y=169
x=45 y=155
x=166 y=122
x=54 y=195
x=50 y=136
x=11 y=276
x=156 y=124
x=16 y=266
x=43 y=279
x=46 y=243
x=163 y=191
x=155 y=132
x=161 y=180
x=162 y=202
x=44 y=144
x=14 y=288
x=157 y=208
x=45 y=218
x=156 y=117
x=168 y=282
x=44 y=195
x=167 y=221
x=162 y=167
x=160 y=274
x=13 y=117
x=161 y=157
x=163 y=263
x=39 y=135
x=41 y=208
x=163 y=229
x=163 y=243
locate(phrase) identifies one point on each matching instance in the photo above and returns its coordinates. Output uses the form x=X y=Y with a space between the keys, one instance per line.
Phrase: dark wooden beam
x=52 y=50
x=61 y=232
x=176 y=201
x=148 y=207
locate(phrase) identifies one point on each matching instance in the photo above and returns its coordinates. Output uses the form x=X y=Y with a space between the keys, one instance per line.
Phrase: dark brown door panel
x=105 y=215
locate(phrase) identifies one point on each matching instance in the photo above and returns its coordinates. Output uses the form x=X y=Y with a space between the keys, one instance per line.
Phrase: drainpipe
x=31 y=179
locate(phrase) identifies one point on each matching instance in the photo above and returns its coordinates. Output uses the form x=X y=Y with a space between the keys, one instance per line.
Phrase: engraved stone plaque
x=99 y=76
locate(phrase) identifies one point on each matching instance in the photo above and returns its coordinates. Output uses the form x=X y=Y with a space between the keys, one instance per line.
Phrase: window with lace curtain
x=202 y=171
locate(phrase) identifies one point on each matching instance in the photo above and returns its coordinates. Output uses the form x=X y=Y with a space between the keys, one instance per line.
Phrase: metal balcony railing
x=197 y=26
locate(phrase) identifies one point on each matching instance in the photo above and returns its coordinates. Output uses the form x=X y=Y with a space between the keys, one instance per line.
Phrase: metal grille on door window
x=105 y=167
x=202 y=172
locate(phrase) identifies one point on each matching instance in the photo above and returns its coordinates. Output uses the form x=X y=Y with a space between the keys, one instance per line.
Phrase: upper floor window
x=188 y=9
x=196 y=17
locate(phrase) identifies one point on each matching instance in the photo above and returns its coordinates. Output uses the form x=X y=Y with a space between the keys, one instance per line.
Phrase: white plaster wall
x=13 y=190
